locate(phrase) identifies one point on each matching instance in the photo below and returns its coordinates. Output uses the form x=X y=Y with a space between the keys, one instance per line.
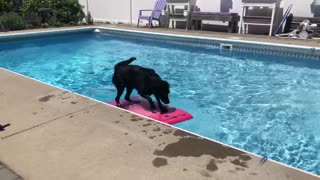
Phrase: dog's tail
x=125 y=62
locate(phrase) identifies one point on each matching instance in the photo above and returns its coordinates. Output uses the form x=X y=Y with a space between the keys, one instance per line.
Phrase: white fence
x=119 y=10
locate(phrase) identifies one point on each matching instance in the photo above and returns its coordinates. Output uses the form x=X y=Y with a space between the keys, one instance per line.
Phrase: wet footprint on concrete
x=212 y=166
x=46 y=98
x=158 y=162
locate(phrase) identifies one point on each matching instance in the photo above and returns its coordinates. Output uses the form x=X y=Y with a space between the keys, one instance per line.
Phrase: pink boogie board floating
x=173 y=116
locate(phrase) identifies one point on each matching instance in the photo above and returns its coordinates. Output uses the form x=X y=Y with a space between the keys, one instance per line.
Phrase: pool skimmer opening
x=226 y=46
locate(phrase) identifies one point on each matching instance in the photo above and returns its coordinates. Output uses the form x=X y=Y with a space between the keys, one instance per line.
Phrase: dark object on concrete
x=2 y=127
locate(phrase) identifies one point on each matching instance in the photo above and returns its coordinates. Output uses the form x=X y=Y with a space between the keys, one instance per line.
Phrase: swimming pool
x=262 y=103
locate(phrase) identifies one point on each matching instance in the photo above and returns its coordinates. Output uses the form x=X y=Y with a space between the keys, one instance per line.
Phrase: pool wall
x=304 y=52
x=238 y=45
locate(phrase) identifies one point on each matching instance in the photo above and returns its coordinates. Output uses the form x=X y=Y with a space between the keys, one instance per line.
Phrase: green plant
x=52 y=21
x=5 y=6
x=11 y=21
x=44 y=25
x=67 y=10
x=32 y=20
x=45 y=14
x=58 y=24
x=89 y=18
x=82 y=16
x=31 y=7
x=16 y=5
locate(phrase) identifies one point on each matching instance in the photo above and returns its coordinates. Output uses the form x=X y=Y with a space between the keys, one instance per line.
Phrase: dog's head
x=163 y=90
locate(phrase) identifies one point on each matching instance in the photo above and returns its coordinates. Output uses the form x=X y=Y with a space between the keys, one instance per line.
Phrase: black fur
x=146 y=81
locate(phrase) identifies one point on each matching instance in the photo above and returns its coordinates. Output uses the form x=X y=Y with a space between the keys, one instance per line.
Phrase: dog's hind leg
x=128 y=93
x=120 y=90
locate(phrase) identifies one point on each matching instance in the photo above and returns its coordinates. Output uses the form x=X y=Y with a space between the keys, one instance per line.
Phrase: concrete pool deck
x=210 y=34
x=233 y=36
x=56 y=134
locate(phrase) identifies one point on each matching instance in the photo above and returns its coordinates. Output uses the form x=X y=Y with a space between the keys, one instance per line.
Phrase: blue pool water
x=268 y=105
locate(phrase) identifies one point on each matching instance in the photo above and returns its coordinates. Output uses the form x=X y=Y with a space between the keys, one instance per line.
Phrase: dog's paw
x=164 y=110
x=153 y=109
x=118 y=105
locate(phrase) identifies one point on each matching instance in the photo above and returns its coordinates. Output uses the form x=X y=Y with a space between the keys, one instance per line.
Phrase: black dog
x=145 y=81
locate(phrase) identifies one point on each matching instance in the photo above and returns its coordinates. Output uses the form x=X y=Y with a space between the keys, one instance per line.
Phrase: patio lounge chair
x=155 y=13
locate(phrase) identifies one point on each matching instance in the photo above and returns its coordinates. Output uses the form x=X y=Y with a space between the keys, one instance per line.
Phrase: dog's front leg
x=152 y=106
x=162 y=108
